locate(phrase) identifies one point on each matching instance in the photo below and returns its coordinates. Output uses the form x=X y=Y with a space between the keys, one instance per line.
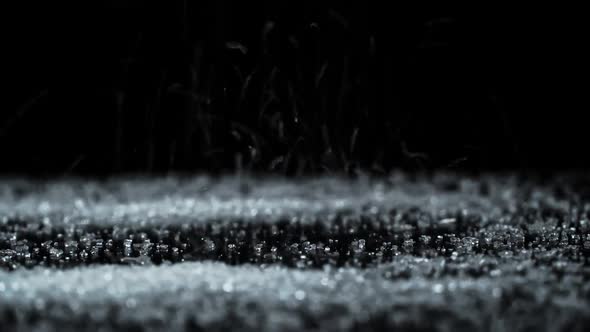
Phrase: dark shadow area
x=292 y=87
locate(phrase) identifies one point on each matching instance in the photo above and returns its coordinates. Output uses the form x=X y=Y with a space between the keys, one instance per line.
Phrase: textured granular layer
x=442 y=252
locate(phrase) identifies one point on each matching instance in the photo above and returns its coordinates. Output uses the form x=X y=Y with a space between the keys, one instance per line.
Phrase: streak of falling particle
x=22 y=111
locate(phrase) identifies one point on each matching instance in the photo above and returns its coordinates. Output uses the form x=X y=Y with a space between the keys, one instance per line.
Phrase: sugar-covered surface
x=173 y=200
x=218 y=297
x=443 y=252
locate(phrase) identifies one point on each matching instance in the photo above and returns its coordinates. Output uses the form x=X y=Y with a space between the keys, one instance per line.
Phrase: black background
x=158 y=86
